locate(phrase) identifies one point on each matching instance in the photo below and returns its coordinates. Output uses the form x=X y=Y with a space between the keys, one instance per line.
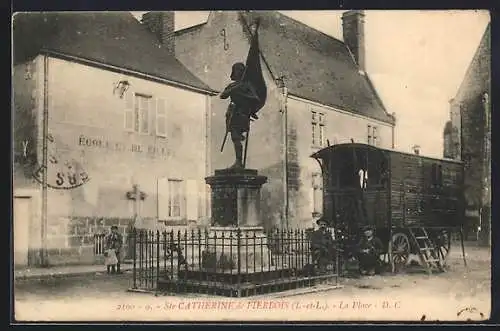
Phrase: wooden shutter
x=129 y=111
x=152 y=115
x=318 y=193
x=192 y=196
x=161 y=118
x=163 y=197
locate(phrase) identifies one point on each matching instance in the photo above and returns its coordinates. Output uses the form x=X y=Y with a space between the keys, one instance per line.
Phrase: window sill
x=174 y=222
x=137 y=133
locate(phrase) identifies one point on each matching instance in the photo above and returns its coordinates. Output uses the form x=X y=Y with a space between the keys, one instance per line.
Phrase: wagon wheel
x=400 y=246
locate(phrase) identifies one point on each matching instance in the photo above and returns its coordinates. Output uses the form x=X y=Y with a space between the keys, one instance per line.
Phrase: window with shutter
x=176 y=199
x=317 y=197
x=161 y=118
x=322 y=130
x=142 y=109
x=163 y=199
x=191 y=200
x=129 y=112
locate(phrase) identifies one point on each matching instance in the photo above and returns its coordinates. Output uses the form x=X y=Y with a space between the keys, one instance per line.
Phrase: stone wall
x=78 y=241
x=87 y=138
x=468 y=111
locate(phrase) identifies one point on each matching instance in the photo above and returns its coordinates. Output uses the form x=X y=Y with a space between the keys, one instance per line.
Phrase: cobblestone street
x=391 y=297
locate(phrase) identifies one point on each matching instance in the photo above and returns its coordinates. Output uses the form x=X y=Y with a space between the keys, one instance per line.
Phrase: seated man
x=369 y=250
x=322 y=245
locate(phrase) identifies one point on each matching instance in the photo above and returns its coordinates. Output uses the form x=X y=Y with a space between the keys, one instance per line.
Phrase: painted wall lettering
x=98 y=143
x=61 y=179
x=25 y=147
x=62 y=174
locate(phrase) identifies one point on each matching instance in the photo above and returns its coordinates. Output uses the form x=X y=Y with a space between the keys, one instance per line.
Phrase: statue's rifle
x=227 y=130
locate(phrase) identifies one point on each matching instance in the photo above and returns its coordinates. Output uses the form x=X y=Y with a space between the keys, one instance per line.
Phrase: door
x=22 y=220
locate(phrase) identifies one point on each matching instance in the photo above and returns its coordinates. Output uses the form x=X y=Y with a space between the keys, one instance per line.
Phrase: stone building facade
x=116 y=109
x=328 y=99
x=469 y=136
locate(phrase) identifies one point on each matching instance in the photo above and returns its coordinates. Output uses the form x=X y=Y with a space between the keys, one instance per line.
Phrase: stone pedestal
x=236 y=249
x=236 y=197
x=236 y=241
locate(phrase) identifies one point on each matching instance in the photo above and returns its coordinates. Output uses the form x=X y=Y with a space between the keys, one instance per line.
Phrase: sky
x=415 y=58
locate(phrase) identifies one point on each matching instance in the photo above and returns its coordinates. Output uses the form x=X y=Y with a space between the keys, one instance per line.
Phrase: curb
x=59 y=275
x=300 y=292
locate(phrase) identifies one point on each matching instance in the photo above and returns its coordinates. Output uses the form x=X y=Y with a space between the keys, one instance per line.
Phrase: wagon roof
x=325 y=151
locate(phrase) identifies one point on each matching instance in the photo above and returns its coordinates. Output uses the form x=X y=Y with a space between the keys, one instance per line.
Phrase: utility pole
x=280 y=82
x=45 y=132
x=485 y=211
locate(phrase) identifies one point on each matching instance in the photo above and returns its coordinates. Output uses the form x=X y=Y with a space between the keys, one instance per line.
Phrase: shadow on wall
x=25 y=156
x=272 y=197
x=293 y=175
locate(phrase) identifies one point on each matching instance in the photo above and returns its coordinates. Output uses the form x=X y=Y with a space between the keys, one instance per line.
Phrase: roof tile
x=113 y=38
x=317 y=66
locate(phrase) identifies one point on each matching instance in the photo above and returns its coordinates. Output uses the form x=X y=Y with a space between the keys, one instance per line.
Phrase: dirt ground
x=459 y=294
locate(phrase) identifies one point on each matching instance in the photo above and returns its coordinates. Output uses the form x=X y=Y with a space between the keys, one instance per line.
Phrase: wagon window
x=437 y=175
x=348 y=176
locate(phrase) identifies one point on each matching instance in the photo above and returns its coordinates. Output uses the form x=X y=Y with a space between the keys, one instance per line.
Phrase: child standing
x=114 y=242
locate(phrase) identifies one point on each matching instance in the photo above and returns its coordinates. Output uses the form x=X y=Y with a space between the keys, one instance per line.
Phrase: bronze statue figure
x=240 y=110
x=248 y=94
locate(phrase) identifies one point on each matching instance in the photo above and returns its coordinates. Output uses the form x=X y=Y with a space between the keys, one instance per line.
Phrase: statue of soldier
x=240 y=110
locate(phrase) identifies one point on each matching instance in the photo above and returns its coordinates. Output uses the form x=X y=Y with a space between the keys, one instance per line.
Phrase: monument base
x=236 y=197
x=236 y=250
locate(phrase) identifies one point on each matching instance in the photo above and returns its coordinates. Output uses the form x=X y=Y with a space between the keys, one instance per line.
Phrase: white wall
x=83 y=111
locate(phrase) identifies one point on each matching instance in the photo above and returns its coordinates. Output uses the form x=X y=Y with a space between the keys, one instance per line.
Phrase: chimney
x=353 y=29
x=162 y=24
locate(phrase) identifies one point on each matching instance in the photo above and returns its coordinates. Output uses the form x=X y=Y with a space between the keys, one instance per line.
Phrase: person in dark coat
x=240 y=110
x=322 y=245
x=369 y=250
x=114 y=241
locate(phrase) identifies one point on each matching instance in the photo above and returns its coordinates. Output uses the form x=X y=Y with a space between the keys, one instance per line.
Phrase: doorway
x=22 y=221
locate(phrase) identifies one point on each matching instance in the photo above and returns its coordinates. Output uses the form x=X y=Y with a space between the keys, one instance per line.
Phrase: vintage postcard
x=252 y=166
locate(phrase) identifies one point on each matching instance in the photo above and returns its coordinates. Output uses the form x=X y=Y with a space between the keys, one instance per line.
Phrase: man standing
x=240 y=110
x=370 y=248
x=114 y=241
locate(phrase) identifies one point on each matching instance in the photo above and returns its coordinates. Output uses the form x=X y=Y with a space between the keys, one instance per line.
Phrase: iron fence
x=230 y=262
x=99 y=243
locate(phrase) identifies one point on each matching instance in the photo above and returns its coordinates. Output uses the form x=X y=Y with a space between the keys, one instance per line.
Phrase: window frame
x=313 y=126
x=318 y=129
x=317 y=188
x=164 y=117
x=139 y=115
x=171 y=195
x=136 y=111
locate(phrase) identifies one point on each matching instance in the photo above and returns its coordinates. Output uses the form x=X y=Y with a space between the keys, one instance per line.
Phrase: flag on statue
x=253 y=73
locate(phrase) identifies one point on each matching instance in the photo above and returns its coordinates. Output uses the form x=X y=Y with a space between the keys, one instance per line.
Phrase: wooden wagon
x=413 y=202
